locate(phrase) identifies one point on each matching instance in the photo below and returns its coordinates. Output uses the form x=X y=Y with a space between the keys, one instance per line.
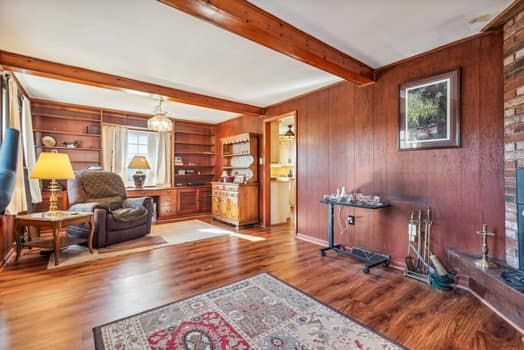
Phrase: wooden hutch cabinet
x=236 y=201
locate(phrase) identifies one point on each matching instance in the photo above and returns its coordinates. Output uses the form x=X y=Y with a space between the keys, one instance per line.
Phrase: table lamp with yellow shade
x=53 y=166
x=139 y=163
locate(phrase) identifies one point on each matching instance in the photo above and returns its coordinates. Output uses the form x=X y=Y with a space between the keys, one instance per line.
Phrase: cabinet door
x=232 y=208
x=166 y=209
x=215 y=206
x=187 y=201
x=204 y=200
x=222 y=207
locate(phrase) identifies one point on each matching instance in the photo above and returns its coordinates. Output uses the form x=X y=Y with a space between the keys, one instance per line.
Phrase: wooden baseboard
x=313 y=240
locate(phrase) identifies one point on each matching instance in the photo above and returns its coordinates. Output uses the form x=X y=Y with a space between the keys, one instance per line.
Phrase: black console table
x=371 y=258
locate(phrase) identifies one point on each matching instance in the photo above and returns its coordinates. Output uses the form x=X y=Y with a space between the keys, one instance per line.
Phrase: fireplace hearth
x=515 y=278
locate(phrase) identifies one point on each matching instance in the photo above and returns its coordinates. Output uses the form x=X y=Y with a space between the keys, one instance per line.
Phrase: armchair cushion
x=129 y=214
x=137 y=202
x=88 y=207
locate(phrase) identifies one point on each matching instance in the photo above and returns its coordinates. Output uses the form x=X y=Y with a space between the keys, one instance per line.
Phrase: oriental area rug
x=260 y=312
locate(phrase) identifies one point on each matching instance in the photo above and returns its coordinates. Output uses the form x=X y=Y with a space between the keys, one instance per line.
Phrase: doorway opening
x=282 y=166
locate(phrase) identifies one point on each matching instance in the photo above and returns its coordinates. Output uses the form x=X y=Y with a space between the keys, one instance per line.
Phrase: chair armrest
x=139 y=202
x=89 y=207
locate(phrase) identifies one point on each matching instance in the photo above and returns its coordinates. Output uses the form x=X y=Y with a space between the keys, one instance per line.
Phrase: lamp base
x=54 y=187
x=139 y=178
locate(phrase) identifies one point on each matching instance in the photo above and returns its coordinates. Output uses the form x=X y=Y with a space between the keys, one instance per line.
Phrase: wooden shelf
x=71 y=148
x=195 y=166
x=235 y=167
x=197 y=153
x=49 y=243
x=194 y=175
x=65 y=133
x=235 y=155
x=66 y=118
x=194 y=143
x=193 y=133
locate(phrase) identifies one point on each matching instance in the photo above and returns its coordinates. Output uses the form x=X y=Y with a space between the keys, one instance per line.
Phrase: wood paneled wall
x=348 y=136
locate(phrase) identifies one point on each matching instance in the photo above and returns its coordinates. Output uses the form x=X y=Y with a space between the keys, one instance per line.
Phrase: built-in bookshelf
x=68 y=129
x=194 y=162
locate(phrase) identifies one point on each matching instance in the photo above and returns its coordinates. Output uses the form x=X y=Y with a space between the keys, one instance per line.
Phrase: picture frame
x=430 y=112
x=238 y=179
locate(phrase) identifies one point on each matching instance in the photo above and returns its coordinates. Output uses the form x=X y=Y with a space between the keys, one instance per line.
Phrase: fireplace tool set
x=419 y=253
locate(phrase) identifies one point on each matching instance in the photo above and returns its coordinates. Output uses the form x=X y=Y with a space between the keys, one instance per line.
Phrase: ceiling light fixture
x=289 y=135
x=160 y=121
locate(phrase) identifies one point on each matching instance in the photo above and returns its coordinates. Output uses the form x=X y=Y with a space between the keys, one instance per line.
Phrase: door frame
x=266 y=170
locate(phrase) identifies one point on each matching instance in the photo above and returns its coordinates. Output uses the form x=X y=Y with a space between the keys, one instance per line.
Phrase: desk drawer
x=167 y=209
x=168 y=196
x=139 y=193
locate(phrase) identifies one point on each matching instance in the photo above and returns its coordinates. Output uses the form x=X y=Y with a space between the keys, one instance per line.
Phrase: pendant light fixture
x=289 y=135
x=160 y=121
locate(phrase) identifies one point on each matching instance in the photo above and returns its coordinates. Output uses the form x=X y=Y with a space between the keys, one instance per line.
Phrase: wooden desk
x=55 y=223
x=174 y=202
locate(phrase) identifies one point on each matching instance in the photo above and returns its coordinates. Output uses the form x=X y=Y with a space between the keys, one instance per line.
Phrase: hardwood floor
x=57 y=309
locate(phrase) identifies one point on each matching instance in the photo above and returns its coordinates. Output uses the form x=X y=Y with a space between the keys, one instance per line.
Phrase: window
x=142 y=143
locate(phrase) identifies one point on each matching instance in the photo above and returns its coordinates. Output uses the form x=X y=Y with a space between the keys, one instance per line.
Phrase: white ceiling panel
x=149 y=41
x=60 y=91
x=380 y=32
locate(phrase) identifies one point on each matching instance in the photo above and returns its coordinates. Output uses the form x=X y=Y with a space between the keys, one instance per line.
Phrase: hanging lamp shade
x=289 y=134
x=160 y=121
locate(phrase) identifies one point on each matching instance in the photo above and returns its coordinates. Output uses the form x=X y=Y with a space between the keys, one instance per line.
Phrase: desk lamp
x=140 y=163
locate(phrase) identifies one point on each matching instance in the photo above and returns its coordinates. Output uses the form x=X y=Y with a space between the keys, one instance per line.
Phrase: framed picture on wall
x=430 y=112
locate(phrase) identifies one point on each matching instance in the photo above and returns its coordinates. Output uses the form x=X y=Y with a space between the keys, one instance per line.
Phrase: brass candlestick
x=483 y=262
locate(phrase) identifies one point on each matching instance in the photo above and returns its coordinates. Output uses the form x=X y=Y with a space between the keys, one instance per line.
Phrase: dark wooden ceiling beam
x=247 y=20
x=36 y=66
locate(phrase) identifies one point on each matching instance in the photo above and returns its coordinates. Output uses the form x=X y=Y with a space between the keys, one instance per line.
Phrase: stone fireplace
x=513 y=128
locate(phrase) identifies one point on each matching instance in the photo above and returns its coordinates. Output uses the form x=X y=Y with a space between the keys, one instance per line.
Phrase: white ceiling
x=149 y=41
x=380 y=32
x=56 y=90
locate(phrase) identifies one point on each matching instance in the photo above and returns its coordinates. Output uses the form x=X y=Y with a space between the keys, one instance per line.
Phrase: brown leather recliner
x=117 y=218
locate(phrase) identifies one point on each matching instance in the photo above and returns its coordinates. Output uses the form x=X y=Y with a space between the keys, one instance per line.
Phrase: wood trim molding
x=36 y=66
x=20 y=87
x=511 y=11
x=253 y=23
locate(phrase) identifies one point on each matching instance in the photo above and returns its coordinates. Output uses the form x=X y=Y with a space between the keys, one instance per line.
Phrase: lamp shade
x=53 y=165
x=139 y=162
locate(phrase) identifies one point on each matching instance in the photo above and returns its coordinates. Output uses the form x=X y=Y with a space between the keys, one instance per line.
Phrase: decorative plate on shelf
x=48 y=141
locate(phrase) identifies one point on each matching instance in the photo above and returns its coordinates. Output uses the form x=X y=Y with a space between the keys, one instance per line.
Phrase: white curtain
x=163 y=161
x=152 y=158
x=29 y=149
x=114 y=144
x=18 y=201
